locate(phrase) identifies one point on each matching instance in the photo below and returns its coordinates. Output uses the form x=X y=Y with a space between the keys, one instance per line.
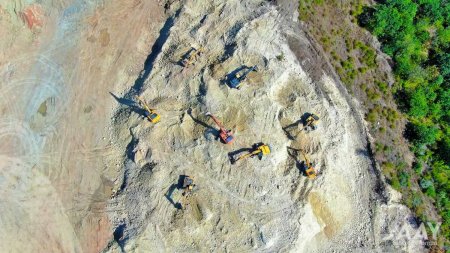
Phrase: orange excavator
x=225 y=135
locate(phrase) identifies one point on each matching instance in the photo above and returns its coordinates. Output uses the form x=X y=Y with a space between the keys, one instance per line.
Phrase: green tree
x=418 y=103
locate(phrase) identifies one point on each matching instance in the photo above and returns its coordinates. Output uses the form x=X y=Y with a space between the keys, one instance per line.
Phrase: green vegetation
x=416 y=34
x=280 y=57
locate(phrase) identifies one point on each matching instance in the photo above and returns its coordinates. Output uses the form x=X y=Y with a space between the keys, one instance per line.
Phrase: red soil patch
x=32 y=16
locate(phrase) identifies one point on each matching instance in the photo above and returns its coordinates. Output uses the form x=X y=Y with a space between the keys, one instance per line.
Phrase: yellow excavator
x=191 y=56
x=259 y=150
x=311 y=122
x=151 y=114
x=309 y=169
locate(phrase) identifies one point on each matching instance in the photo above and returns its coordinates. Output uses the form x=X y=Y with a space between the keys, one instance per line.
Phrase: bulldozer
x=191 y=56
x=224 y=134
x=309 y=169
x=237 y=80
x=311 y=122
x=151 y=114
x=259 y=149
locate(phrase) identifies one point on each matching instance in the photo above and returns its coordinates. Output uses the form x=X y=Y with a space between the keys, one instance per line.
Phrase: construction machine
x=239 y=77
x=191 y=56
x=309 y=169
x=311 y=122
x=151 y=114
x=188 y=185
x=225 y=135
x=189 y=201
x=259 y=150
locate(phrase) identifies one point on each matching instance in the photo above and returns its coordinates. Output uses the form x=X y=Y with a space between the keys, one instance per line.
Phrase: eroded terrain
x=83 y=167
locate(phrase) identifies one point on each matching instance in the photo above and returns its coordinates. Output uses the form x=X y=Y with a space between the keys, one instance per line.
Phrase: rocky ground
x=83 y=171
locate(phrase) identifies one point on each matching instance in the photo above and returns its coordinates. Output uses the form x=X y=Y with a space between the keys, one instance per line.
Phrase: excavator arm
x=249 y=155
x=218 y=123
x=225 y=135
x=145 y=105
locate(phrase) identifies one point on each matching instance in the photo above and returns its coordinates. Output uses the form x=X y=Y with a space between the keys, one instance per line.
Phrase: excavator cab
x=152 y=117
x=311 y=122
x=265 y=149
x=310 y=172
x=224 y=134
x=308 y=169
x=188 y=185
x=226 y=137
x=240 y=76
x=191 y=56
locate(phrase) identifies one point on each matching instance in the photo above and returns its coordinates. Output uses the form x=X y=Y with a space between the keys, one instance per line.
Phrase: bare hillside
x=82 y=169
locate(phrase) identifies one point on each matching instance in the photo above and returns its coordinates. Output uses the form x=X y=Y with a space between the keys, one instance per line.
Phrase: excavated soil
x=83 y=171
x=254 y=205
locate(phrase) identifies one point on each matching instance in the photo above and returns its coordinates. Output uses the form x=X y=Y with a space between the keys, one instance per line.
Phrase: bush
x=382 y=86
x=426 y=183
x=373 y=95
x=280 y=57
x=404 y=179
x=372 y=116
